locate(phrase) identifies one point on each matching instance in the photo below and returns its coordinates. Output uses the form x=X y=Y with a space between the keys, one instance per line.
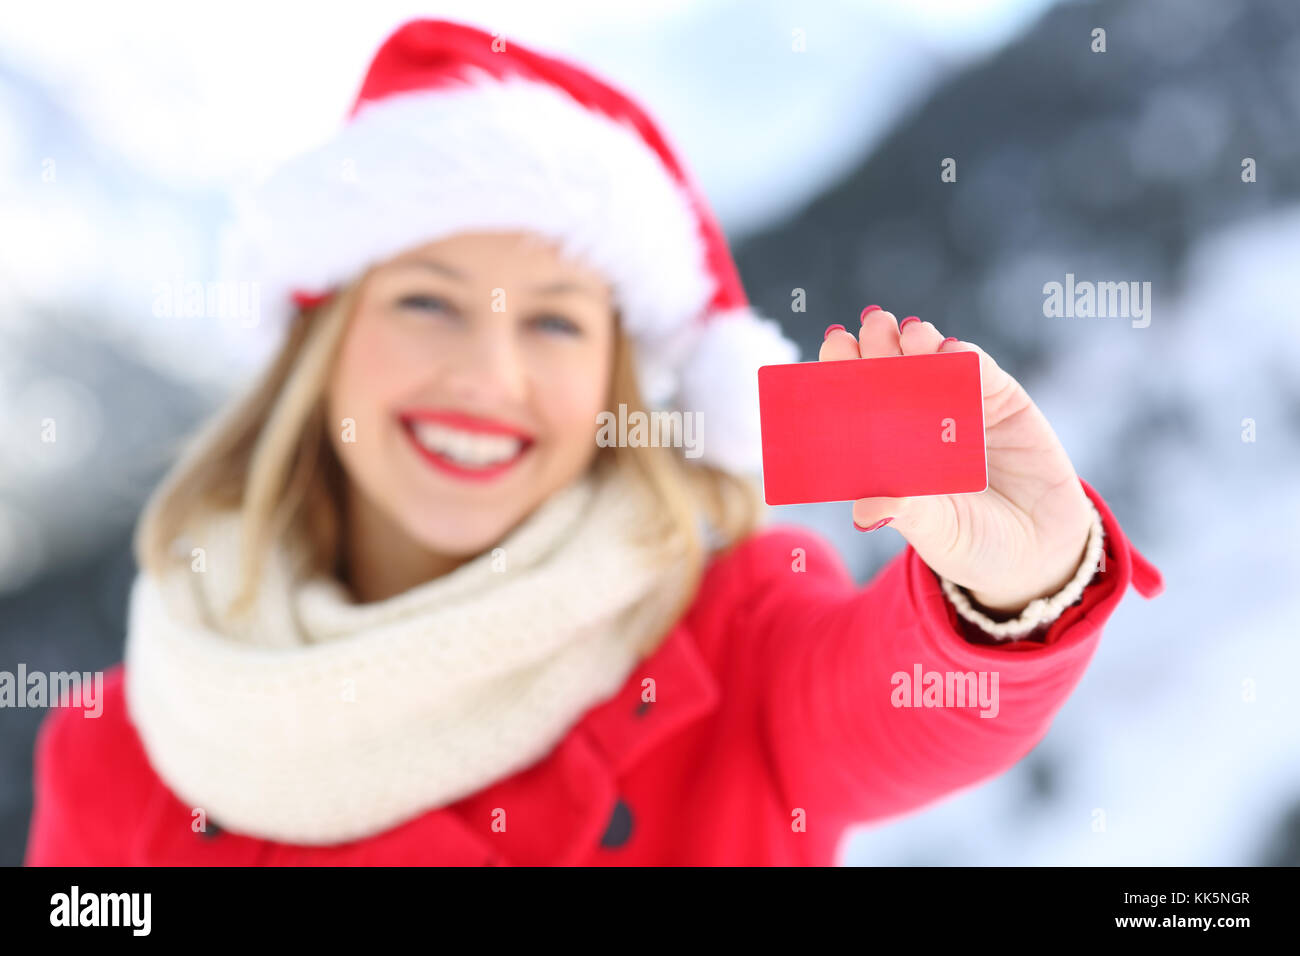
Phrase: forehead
x=498 y=257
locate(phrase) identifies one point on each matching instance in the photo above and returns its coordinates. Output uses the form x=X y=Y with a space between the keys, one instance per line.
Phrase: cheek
x=569 y=399
x=369 y=378
x=372 y=369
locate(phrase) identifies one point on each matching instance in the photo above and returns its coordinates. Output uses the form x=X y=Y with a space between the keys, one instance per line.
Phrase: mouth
x=466 y=448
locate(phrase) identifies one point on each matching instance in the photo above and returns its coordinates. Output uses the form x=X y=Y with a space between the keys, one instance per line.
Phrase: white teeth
x=466 y=448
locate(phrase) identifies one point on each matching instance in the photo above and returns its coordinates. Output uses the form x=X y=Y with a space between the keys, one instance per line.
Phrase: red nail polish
x=830 y=329
x=879 y=524
x=910 y=318
x=951 y=338
x=868 y=310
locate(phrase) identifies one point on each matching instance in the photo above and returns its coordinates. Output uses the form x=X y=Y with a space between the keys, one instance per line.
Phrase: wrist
x=1061 y=572
x=1012 y=623
x=1010 y=604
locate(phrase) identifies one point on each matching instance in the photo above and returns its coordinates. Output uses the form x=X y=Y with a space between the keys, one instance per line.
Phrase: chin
x=459 y=534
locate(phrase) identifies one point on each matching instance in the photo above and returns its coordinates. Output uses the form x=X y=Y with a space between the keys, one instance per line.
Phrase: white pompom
x=720 y=381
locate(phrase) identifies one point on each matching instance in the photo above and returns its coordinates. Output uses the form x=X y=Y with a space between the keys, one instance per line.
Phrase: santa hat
x=457 y=130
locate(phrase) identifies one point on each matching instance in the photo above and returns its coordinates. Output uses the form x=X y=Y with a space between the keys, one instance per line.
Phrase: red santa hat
x=456 y=130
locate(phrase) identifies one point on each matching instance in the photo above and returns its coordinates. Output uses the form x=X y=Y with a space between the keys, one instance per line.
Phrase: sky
x=197 y=94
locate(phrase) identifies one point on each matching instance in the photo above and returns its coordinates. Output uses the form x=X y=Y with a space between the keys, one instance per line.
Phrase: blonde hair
x=269 y=455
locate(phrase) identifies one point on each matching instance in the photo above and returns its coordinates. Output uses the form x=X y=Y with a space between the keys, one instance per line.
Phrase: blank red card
x=862 y=428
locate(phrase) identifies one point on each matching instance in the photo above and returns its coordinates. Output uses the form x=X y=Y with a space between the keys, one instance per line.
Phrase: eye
x=557 y=323
x=426 y=303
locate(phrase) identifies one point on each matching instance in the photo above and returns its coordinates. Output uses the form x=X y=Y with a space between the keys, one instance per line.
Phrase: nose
x=492 y=368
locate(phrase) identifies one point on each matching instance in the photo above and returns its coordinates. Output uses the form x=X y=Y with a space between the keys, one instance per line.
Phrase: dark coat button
x=211 y=832
x=643 y=708
x=620 y=827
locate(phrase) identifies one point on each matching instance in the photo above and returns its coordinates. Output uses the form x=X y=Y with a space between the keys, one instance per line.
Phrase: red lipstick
x=466 y=422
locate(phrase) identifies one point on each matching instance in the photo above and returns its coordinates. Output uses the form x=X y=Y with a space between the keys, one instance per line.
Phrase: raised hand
x=1023 y=537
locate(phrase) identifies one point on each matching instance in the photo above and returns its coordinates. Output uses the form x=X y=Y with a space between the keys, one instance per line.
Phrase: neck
x=380 y=560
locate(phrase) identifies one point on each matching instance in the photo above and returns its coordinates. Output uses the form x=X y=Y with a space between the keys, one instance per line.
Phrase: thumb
x=912 y=517
x=871 y=514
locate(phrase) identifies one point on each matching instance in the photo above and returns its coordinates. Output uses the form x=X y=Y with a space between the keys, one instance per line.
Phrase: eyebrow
x=550 y=288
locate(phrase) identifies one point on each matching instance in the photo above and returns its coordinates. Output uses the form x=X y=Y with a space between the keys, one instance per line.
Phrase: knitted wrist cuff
x=1041 y=610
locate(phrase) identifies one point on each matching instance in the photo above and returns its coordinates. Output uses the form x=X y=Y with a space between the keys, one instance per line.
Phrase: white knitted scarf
x=316 y=720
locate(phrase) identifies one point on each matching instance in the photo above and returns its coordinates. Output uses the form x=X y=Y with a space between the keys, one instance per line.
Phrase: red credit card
x=895 y=427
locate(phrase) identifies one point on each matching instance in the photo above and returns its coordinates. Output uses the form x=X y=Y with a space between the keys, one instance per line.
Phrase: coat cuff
x=1042 y=611
x=1074 y=631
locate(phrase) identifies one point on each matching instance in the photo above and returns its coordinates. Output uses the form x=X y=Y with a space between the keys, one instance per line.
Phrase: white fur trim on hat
x=495 y=154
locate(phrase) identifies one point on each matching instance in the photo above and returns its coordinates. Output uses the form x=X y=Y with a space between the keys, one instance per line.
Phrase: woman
x=397 y=606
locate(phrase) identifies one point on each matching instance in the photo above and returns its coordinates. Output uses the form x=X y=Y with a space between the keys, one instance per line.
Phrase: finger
x=917 y=337
x=879 y=333
x=838 y=344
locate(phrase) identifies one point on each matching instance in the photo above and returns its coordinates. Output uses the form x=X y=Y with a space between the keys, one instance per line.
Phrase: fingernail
x=879 y=524
x=910 y=318
x=951 y=338
x=830 y=329
x=868 y=310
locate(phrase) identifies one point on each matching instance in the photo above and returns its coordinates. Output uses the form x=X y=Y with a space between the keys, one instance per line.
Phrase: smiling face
x=473 y=368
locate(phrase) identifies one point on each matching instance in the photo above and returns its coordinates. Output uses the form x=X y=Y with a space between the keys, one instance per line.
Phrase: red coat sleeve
x=84 y=800
x=824 y=657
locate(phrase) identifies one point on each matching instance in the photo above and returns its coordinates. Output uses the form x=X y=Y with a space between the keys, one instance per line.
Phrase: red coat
x=774 y=728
